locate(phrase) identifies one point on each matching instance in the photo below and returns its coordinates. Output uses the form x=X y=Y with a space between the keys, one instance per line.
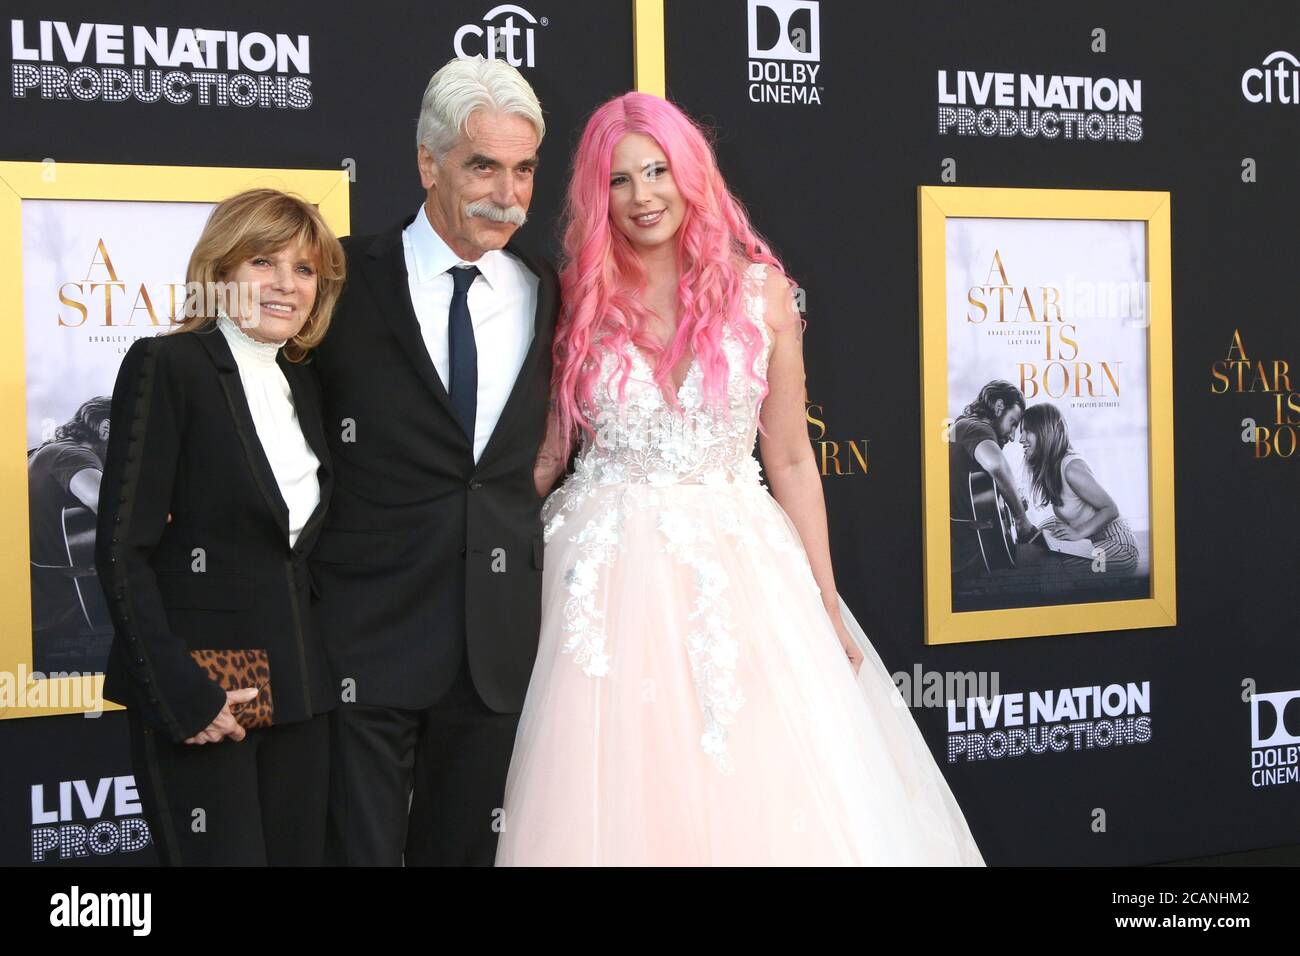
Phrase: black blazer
x=426 y=555
x=182 y=441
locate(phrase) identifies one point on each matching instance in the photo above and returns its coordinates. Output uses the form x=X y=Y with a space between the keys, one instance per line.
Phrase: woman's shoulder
x=170 y=340
x=752 y=271
x=1073 y=456
x=770 y=290
x=170 y=352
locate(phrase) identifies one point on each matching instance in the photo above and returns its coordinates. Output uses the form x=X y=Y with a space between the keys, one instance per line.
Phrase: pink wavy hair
x=602 y=279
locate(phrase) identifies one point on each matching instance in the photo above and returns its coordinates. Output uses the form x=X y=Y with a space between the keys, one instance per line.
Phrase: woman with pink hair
x=701 y=695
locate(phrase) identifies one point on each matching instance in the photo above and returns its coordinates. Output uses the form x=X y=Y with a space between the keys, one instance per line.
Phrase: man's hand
x=1026 y=530
x=225 y=724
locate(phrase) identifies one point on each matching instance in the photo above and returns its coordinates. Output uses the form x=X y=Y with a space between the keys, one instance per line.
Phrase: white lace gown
x=691 y=703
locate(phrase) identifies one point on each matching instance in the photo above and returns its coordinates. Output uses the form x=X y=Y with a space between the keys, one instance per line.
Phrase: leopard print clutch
x=242 y=667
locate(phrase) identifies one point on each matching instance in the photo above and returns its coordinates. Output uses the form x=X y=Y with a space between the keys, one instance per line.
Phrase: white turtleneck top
x=270 y=402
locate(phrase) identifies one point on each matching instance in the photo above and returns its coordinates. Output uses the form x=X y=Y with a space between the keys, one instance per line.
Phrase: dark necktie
x=463 y=353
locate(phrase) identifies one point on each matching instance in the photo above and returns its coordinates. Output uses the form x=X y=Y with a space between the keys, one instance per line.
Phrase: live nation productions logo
x=78 y=819
x=1071 y=718
x=1039 y=105
x=1274 y=746
x=785 y=51
x=117 y=63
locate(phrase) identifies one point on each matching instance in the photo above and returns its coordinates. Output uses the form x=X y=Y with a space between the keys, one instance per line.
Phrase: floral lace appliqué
x=711 y=646
x=646 y=445
x=583 y=618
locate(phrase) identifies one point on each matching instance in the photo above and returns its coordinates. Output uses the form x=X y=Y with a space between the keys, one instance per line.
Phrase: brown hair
x=263 y=221
x=1048 y=425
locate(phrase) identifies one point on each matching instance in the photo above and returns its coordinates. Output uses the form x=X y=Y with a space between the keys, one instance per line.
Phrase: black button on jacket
x=427 y=555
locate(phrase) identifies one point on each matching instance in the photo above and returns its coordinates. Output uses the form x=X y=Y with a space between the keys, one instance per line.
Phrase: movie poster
x=97 y=275
x=1048 y=412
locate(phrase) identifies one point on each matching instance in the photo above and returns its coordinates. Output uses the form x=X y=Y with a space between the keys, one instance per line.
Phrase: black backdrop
x=370 y=63
x=833 y=186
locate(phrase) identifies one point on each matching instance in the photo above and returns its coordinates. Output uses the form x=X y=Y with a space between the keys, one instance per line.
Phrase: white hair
x=462 y=86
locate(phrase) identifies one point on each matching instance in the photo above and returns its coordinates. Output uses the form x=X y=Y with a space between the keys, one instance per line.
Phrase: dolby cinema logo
x=1275 y=738
x=785 y=51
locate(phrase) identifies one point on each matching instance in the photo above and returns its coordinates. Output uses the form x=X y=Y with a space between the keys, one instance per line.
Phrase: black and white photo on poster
x=1047 y=396
x=97 y=275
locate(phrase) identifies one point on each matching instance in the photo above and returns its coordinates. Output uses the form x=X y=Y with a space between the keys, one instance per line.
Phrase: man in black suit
x=436 y=376
x=976 y=440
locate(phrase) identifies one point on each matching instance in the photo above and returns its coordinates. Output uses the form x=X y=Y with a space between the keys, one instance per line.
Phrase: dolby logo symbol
x=1275 y=719
x=784 y=30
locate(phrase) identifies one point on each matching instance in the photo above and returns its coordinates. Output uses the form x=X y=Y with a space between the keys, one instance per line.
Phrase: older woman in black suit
x=214 y=490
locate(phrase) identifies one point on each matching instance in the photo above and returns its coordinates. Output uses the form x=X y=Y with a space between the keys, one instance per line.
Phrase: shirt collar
x=433 y=256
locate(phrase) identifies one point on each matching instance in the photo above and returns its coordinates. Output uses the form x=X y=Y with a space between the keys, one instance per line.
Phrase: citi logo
x=500 y=40
x=1277 y=80
x=785 y=30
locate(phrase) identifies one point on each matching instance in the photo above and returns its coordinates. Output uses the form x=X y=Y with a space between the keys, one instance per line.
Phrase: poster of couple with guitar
x=1042 y=364
x=94 y=280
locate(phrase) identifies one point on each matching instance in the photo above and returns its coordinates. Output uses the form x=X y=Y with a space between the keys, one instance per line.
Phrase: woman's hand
x=1066 y=533
x=225 y=724
x=544 y=475
x=1026 y=531
x=851 y=649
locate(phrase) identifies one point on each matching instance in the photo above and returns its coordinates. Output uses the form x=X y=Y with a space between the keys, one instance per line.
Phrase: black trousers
x=422 y=787
x=255 y=802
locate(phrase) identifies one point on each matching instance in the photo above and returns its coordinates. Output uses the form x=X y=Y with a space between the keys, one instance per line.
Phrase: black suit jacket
x=426 y=553
x=182 y=441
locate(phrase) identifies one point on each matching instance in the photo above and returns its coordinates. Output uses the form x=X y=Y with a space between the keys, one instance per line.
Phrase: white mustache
x=490 y=210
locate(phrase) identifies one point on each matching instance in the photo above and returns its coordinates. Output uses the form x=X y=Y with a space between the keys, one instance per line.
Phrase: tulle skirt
x=691 y=703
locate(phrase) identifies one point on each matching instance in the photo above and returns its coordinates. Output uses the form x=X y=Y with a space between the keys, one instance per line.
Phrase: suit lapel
x=306 y=404
x=543 y=330
x=228 y=375
x=385 y=272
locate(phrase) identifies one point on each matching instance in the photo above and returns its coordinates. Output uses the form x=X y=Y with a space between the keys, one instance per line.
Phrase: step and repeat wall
x=1094 y=205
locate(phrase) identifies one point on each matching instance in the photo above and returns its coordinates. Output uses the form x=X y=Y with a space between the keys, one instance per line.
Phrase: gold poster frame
x=328 y=190
x=935 y=205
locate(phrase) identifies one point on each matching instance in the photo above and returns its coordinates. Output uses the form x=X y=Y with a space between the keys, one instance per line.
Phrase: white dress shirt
x=502 y=303
x=270 y=401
